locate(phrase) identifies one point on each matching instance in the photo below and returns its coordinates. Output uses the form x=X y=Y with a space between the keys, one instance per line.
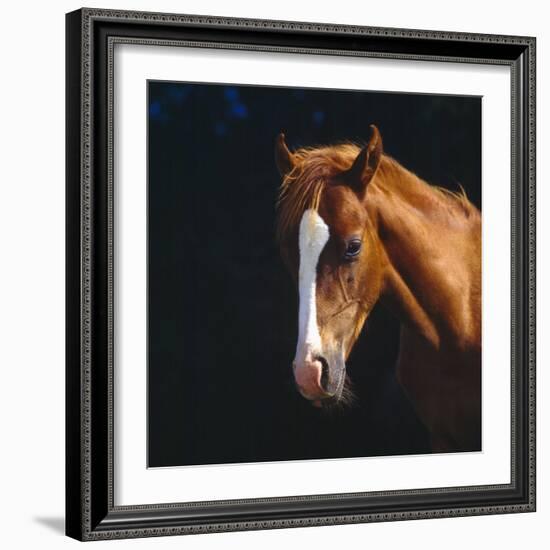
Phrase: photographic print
x=277 y=234
x=314 y=273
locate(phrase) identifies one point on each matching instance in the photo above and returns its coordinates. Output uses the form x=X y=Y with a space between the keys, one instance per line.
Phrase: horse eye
x=352 y=249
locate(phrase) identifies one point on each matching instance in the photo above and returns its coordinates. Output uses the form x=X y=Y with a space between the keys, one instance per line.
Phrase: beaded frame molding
x=90 y=510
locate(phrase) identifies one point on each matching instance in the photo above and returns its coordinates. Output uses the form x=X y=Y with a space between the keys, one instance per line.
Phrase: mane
x=303 y=186
x=432 y=199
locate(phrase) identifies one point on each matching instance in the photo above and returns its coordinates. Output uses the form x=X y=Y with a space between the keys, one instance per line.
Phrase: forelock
x=302 y=188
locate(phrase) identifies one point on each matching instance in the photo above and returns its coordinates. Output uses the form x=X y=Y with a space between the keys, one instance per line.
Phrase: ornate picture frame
x=91 y=509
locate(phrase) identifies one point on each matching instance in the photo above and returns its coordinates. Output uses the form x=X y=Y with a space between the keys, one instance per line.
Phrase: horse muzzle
x=318 y=378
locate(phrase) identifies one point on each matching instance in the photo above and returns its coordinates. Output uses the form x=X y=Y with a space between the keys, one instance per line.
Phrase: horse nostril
x=324 y=371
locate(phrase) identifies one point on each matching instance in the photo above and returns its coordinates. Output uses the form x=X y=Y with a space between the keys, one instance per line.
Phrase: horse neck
x=424 y=279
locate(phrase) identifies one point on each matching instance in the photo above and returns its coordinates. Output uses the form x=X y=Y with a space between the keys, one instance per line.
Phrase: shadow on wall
x=55 y=524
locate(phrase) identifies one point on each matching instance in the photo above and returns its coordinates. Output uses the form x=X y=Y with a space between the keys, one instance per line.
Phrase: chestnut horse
x=355 y=227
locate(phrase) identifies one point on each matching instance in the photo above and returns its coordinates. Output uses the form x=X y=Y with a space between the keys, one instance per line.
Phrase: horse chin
x=337 y=384
x=337 y=370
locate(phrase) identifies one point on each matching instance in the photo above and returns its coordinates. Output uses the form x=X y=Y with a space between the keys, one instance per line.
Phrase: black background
x=222 y=308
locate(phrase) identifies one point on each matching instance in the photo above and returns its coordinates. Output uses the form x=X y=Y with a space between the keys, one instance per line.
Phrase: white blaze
x=313 y=237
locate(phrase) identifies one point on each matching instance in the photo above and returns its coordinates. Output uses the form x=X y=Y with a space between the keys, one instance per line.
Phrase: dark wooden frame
x=90 y=510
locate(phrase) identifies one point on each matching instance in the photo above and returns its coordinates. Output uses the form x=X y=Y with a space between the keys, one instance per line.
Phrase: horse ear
x=366 y=163
x=283 y=157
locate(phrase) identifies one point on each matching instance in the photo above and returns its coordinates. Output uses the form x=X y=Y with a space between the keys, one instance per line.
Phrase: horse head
x=331 y=247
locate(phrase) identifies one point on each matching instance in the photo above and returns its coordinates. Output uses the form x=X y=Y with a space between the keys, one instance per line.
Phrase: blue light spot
x=239 y=110
x=178 y=93
x=220 y=129
x=231 y=94
x=318 y=118
x=154 y=110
